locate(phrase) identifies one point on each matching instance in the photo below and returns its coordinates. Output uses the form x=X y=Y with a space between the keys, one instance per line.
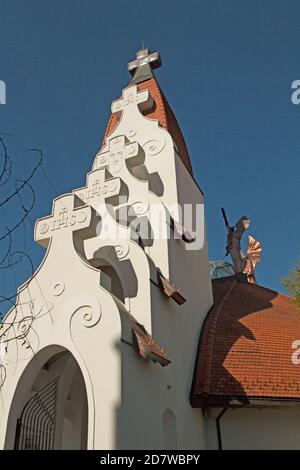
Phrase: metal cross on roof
x=144 y=60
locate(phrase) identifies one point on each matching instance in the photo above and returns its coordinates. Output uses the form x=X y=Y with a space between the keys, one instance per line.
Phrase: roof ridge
x=253 y=286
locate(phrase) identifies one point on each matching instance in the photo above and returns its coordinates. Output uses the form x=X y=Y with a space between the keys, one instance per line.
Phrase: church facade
x=121 y=339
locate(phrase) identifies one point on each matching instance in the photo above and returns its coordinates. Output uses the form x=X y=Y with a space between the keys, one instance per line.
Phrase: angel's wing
x=254 y=250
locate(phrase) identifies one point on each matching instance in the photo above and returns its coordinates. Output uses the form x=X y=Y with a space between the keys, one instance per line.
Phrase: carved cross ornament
x=118 y=152
x=98 y=188
x=131 y=96
x=64 y=218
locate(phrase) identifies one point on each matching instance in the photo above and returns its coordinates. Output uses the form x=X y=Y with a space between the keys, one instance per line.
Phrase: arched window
x=169 y=430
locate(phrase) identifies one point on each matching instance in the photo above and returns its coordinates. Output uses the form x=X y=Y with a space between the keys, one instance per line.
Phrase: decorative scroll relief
x=132 y=133
x=64 y=218
x=122 y=250
x=99 y=188
x=58 y=288
x=17 y=324
x=23 y=326
x=118 y=152
x=155 y=146
x=139 y=208
x=85 y=312
x=131 y=97
x=89 y=317
x=117 y=248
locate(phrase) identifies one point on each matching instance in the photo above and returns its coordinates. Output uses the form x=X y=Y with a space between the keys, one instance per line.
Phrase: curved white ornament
x=122 y=250
x=154 y=146
x=88 y=315
x=23 y=326
x=140 y=208
x=132 y=133
x=58 y=288
x=44 y=228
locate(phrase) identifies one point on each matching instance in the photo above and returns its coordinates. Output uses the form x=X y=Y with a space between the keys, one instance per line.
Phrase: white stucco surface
x=256 y=429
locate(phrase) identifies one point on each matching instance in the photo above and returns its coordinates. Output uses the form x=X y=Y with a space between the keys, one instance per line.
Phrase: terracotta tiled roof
x=245 y=349
x=163 y=113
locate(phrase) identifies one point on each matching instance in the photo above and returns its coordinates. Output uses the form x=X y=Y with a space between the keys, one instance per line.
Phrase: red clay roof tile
x=245 y=349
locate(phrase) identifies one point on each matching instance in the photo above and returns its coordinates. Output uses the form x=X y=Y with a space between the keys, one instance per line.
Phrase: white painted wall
x=256 y=429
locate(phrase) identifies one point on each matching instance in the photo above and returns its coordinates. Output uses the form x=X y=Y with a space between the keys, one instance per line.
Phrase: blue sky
x=227 y=73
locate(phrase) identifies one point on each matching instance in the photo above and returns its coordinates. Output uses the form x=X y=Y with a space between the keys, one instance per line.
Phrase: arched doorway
x=36 y=425
x=49 y=409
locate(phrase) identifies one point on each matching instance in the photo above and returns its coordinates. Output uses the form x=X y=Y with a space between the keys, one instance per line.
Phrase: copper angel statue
x=244 y=265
